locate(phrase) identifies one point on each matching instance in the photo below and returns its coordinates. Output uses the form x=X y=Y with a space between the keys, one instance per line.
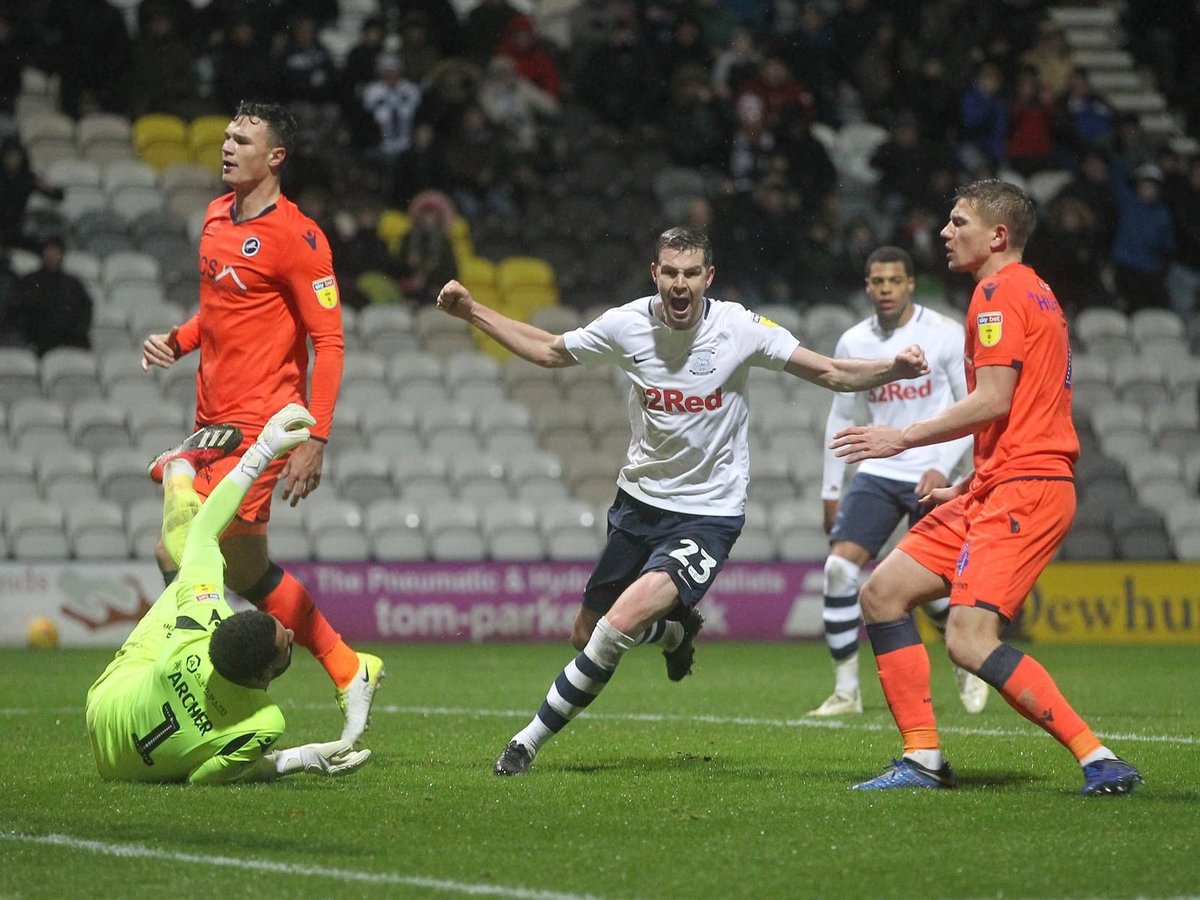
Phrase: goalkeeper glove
x=333 y=759
x=284 y=431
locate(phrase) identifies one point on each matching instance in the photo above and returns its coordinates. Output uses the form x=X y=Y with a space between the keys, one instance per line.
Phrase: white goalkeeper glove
x=332 y=759
x=284 y=431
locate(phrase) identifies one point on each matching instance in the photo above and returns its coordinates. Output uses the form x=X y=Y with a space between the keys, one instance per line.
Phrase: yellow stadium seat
x=476 y=271
x=163 y=154
x=155 y=128
x=393 y=225
x=206 y=134
x=523 y=271
x=520 y=302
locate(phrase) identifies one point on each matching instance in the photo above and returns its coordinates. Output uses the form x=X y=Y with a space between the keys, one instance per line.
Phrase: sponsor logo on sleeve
x=205 y=593
x=327 y=291
x=989 y=327
x=763 y=320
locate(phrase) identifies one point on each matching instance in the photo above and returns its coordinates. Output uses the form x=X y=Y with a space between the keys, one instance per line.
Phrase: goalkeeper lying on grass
x=186 y=699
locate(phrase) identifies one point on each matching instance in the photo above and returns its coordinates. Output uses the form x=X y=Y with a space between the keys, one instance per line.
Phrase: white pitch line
x=748 y=721
x=803 y=722
x=137 y=851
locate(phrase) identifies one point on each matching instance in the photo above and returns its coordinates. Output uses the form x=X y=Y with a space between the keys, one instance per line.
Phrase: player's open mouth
x=680 y=304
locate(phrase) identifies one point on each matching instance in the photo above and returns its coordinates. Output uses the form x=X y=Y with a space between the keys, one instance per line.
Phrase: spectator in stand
x=88 y=45
x=904 y=162
x=1144 y=243
x=49 y=307
x=779 y=92
x=18 y=182
x=427 y=258
x=1092 y=187
x=696 y=125
x=243 y=64
x=810 y=170
x=736 y=64
x=392 y=102
x=452 y=87
x=476 y=166
x=421 y=51
x=418 y=168
x=1050 y=56
x=1032 y=119
x=879 y=69
x=809 y=51
x=686 y=47
x=310 y=74
x=485 y=27
x=611 y=79
x=16 y=52
x=1069 y=252
x=1085 y=118
x=440 y=21
x=1183 y=278
x=983 y=120
x=933 y=100
x=516 y=106
x=753 y=144
x=360 y=67
x=534 y=63
x=162 y=72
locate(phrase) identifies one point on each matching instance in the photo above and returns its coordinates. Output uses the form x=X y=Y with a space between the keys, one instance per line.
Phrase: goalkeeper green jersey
x=160 y=713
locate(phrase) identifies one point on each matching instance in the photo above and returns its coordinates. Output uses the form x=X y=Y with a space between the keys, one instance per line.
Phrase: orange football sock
x=904 y=675
x=290 y=602
x=1032 y=692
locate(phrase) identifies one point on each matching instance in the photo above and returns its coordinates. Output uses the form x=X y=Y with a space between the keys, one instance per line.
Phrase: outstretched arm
x=991 y=400
x=839 y=374
x=527 y=341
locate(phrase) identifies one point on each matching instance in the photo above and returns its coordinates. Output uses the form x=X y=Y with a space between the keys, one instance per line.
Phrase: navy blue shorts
x=872 y=509
x=643 y=538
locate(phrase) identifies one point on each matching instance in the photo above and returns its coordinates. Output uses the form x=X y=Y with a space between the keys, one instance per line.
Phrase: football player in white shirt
x=884 y=491
x=682 y=492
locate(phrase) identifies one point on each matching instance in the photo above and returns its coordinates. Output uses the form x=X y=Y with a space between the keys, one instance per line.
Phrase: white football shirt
x=900 y=403
x=688 y=415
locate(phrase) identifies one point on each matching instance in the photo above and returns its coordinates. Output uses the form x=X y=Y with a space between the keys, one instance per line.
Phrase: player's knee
x=841 y=576
x=581 y=631
x=873 y=599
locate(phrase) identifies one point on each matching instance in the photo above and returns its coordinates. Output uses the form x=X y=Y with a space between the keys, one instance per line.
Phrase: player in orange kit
x=266 y=287
x=994 y=532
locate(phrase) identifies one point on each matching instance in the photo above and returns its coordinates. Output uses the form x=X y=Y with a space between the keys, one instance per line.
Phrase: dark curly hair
x=281 y=125
x=243 y=648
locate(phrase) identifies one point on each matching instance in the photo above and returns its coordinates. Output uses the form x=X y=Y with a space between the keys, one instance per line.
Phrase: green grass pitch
x=714 y=787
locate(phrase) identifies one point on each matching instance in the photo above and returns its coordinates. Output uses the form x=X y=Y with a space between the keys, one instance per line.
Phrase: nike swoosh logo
x=367 y=673
x=642 y=359
x=310 y=238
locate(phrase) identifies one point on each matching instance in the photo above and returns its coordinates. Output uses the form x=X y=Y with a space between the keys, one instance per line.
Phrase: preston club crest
x=701 y=362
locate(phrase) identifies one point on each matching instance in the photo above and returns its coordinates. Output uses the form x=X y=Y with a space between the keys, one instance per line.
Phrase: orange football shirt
x=266 y=287
x=1014 y=320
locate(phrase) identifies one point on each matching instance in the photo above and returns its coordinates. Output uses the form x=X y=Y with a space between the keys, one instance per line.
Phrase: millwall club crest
x=701 y=363
x=251 y=246
x=990 y=325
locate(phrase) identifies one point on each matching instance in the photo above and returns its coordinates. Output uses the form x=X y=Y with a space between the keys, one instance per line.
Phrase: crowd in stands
x=577 y=135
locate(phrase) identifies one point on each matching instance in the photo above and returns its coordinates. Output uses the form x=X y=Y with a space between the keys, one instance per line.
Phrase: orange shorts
x=993 y=548
x=256 y=505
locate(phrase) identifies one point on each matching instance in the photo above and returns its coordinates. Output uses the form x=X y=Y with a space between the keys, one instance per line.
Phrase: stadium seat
x=121 y=474
x=1149 y=544
x=35 y=424
x=69 y=373
x=36 y=531
x=131 y=203
x=572 y=545
x=96 y=425
x=161 y=140
x=380 y=289
x=1140 y=380
x=96 y=530
x=387 y=330
x=130 y=267
x=1088 y=544
x=18 y=484
x=802 y=545
x=361 y=476
x=205 y=136
x=1104 y=332
x=476 y=272
x=74 y=173
x=393 y=225
x=20 y=377
x=66 y=475
x=143 y=524
x=394 y=530
x=754 y=545
x=421 y=478
x=102 y=129
x=523 y=271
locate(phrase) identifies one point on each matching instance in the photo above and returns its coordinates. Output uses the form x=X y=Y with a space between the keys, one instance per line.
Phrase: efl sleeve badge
x=989 y=326
x=327 y=291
